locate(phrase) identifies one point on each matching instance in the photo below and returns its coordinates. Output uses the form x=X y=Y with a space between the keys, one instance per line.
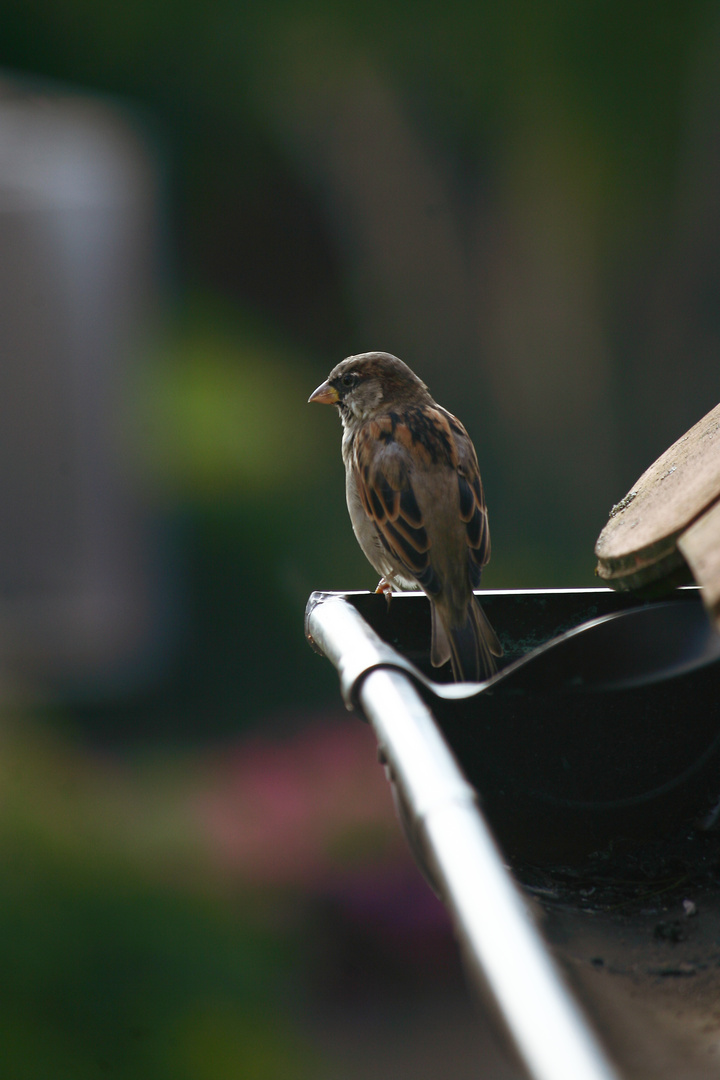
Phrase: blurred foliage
x=108 y=968
x=219 y=417
x=154 y=912
x=604 y=87
x=137 y=982
x=250 y=486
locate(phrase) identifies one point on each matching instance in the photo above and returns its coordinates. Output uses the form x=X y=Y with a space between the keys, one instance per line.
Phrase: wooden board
x=638 y=547
x=700 y=547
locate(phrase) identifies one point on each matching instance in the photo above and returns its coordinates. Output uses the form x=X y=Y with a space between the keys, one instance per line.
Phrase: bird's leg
x=385 y=587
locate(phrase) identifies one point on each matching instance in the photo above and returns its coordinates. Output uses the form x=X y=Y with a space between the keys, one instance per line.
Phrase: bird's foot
x=386 y=589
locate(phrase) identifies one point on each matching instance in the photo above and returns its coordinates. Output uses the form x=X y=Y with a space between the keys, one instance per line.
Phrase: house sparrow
x=416 y=501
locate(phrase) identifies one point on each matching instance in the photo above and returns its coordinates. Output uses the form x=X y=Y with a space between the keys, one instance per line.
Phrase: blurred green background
x=202 y=874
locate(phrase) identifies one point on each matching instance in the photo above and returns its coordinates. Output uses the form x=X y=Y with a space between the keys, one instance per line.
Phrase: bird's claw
x=386 y=589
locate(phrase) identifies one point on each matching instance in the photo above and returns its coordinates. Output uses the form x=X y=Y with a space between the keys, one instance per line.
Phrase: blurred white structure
x=77 y=267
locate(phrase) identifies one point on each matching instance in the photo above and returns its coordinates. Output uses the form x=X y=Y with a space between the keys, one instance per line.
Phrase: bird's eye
x=348 y=380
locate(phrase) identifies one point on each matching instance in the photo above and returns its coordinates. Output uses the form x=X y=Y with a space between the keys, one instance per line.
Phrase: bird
x=416 y=501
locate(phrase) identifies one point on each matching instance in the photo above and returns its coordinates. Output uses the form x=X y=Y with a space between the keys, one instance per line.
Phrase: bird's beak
x=325 y=395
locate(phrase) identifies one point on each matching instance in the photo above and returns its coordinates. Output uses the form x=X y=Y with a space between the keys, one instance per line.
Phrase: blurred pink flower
x=297 y=809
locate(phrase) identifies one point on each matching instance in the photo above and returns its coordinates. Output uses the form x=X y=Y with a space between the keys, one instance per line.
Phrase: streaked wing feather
x=472 y=502
x=389 y=500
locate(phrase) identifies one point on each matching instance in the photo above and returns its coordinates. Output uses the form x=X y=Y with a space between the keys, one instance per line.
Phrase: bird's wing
x=383 y=455
x=473 y=510
x=388 y=451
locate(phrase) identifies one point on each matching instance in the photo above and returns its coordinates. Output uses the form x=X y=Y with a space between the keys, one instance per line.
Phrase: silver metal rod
x=500 y=938
x=550 y=1033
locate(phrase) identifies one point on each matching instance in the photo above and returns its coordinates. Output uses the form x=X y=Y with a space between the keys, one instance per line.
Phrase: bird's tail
x=471 y=648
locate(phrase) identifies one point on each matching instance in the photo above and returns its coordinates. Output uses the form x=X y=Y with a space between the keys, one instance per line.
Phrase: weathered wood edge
x=647 y=564
x=700 y=547
x=618 y=543
x=639 y=570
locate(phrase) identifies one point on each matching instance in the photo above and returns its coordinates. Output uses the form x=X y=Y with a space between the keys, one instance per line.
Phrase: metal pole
x=546 y=1025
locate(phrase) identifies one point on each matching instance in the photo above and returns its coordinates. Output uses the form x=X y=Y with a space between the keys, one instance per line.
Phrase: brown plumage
x=416 y=501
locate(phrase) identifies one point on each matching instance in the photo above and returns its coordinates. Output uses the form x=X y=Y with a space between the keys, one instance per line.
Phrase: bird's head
x=369 y=384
